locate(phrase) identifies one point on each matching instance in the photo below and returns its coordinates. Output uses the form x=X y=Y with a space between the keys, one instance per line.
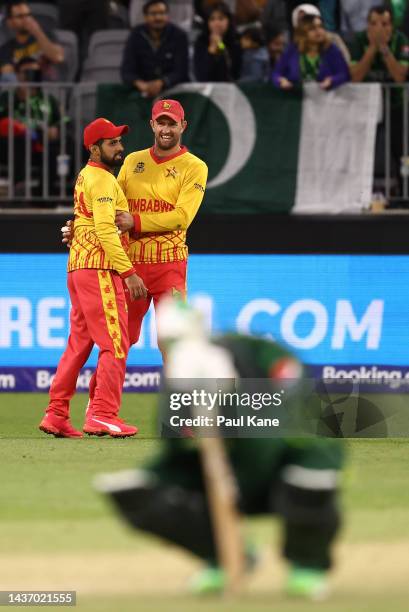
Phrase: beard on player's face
x=166 y=140
x=112 y=161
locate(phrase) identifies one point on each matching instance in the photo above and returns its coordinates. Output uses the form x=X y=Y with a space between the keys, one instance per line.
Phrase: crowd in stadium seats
x=139 y=41
x=151 y=45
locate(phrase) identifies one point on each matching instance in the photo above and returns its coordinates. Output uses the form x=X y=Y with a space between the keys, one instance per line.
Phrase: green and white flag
x=337 y=148
x=268 y=150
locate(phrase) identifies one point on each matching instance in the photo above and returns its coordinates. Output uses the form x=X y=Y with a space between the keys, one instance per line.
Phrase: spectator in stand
x=156 y=53
x=180 y=11
x=311 y=57
x=217 y=53
x=309 y=9
x=255 y=58
x=381 y=54
x=44 y=114
x=276 y=42
x=28 y=40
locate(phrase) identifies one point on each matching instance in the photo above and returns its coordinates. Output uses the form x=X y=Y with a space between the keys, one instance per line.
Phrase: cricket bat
x=200 y=363
x=221 y=492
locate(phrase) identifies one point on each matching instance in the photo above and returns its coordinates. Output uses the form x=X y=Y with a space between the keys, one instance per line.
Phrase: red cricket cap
x=169 y=108
x=102 y=128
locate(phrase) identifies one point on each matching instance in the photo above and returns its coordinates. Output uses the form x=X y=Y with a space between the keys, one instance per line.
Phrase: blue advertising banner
x=336 y=312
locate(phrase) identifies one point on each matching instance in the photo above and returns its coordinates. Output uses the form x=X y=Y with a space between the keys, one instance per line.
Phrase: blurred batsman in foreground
x=183 y=495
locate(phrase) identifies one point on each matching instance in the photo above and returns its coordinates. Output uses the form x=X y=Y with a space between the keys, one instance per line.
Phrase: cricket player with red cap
x=97 y=266
x=164 y=186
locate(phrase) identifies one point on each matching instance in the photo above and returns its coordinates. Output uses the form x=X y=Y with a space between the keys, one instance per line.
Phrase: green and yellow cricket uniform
x=294 y=478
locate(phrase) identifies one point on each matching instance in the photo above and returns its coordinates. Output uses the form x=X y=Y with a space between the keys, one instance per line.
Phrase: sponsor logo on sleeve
x=105 y=199
x=199 y=187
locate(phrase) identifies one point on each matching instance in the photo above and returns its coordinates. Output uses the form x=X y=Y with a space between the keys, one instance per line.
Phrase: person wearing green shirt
x=293 y=478
x=380 y=54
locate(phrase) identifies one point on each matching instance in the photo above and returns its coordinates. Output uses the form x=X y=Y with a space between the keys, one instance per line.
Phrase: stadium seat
x=181 y=13
x=107 y=43
x=102 y=69
x=69 y=68
x=104 y=59
x=46 y=14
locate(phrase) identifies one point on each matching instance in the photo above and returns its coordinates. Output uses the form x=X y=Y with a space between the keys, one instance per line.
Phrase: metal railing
x=76 y=107
x=77 y=103
x=395 y=111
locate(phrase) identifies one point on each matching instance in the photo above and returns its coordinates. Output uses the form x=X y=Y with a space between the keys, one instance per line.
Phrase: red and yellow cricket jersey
x=164 y=195
x=96 y=243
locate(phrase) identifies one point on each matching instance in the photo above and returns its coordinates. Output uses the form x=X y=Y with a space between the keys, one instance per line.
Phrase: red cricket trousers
x=160 y=279
x=98 y=316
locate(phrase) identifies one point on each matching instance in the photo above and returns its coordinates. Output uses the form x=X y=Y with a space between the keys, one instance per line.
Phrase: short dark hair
x=150 y=3
x=380 y=10
x=25 y=61
x=255 y=34
x=272 y=31
x=221 y=7
x=12 y=3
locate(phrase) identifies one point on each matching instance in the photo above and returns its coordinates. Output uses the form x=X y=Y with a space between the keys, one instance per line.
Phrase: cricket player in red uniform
x=97 y=264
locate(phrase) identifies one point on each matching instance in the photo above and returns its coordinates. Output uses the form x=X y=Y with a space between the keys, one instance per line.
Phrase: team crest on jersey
x=140 y=167
x=171 y=172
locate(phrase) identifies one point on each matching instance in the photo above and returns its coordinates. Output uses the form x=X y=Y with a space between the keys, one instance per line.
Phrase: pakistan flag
x=268 y=150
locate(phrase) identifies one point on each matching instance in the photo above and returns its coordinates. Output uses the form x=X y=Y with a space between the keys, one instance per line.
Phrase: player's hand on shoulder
x=124 y=221
x=67 y=232
x=136 y=287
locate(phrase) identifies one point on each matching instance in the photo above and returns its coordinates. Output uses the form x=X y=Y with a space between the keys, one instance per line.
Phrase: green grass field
x=57 y=533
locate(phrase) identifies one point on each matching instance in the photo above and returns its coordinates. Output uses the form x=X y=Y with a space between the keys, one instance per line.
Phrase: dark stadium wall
x=370 y=234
